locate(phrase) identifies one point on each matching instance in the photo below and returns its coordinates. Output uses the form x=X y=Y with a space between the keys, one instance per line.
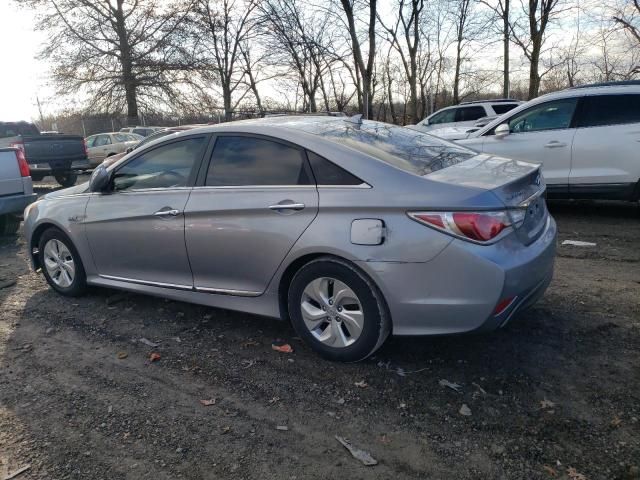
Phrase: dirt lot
x=554 y=395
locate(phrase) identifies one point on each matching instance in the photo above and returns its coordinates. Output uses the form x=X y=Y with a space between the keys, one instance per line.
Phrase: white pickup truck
x=16 y=189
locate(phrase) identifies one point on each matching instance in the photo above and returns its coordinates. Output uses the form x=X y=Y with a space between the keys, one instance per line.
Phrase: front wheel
x=66 y=179
x=338 y=310
x=61 y=264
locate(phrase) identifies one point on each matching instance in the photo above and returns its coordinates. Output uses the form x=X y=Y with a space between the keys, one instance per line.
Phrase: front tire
x=66 y=179
x=61 y=264
x=9 y=224
x=338 y=310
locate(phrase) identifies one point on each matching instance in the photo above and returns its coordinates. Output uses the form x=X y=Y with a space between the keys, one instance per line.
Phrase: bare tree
x=123 y=54
x=405 y=38
x=536 y=14
x=501 y=10
x=627 y=17
x=364 y=70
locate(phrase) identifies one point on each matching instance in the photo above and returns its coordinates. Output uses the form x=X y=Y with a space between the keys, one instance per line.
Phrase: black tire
x=37 y=177
x=9 y=224
x=66 y=179
x=79 y=284
x=376 y=322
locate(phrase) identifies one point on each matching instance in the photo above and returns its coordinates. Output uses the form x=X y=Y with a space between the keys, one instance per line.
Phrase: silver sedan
x=350 y=229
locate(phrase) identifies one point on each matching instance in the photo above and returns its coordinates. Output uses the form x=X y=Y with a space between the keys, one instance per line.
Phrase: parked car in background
x=458 y=133
x=352 y=229
x=16 y=189
x=465 y=114
x=59 y=155
x=142 y=131
x=103 y=145
x=587 y=140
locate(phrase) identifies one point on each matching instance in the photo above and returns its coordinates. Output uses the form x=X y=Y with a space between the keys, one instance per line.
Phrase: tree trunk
x=534 y=76
x=505 y=32
x=128 y=78
x=456 y=78
x=226 y=98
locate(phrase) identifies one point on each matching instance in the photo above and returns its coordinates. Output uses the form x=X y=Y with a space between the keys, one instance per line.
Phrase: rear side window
x=501 y=108
x=466 y=114
x=241 y=161
x=609 y=110
x=120 y=137
x=328 y=173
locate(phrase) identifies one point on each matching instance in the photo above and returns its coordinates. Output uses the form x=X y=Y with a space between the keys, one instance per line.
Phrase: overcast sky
x=23 y=77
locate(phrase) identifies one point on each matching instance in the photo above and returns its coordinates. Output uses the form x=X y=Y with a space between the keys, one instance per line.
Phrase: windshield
x=407 y=149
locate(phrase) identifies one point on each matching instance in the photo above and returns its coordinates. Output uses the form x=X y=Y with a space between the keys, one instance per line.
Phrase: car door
x=136 y=230
x=606 y=145
x=541 y=134
x=250 y=206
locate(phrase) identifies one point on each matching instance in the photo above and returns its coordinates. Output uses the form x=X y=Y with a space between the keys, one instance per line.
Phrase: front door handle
x=287 y=206
x=555 y=144
x=167 y=213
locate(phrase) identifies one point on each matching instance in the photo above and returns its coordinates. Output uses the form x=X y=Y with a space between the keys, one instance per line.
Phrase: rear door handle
x=167 y=213
x=555 y=144
x=287 y=206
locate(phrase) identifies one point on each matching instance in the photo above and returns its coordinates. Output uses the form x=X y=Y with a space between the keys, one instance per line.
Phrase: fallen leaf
x=573 y=474
x=465 y=410
x=148 y=342
x=364 y=457
x=616 y=422
x=122 y=355
x=274 y=400
x=282 y=347
x=282 y=428
x=453 y=386
x=154 y=357
x=208 y=403
x=384 y=439
x=249 y=343
x=550 y=470
x=546 y=404
x=361 y=384
x=226 y=430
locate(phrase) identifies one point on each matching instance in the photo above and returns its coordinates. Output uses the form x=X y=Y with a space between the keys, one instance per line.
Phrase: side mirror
x=502 y=130
x=99 y=179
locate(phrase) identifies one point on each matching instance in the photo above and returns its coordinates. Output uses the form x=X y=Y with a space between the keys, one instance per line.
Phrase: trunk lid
x=519 y=185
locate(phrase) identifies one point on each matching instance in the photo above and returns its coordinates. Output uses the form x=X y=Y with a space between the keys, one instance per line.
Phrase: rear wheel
x=66 y=179
x=61 y=264
x=338 y=310
x=9 y=224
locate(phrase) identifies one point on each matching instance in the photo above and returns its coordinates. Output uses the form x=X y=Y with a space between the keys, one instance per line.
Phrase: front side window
x=446 y=116
x=120 y=137
x=467 y=114
x=242 y=161
x=102 y=140
x=604 y=110
x=552 y=115
x=167 y=166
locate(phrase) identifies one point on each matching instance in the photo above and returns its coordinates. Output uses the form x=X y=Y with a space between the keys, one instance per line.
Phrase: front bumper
x=458 y=291
x=16 y=203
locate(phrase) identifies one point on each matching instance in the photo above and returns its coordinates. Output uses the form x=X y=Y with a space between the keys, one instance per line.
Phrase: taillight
x=86 y=150
x=476 y=226
x=22 y=161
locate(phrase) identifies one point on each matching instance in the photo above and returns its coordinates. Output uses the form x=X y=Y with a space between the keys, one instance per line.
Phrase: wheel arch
x=35 y=240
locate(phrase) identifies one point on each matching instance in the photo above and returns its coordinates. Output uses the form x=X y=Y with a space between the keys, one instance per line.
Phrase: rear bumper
x=16 y=203
x=45 y=167
x=458 y=291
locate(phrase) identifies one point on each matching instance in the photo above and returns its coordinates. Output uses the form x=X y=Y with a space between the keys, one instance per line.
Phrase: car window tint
x=553 y=115
x=609 y=110
x=13 y=129
x=142 y=131
x=328 y=173
x=163 y=167
x=501 y=108
x=446 y=116
x=466 y=114
x=240 y=161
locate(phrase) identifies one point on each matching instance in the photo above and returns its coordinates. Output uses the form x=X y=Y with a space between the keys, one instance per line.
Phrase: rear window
x=407 y=149
x=13 y=129
x=604 y=110
x=501 y=108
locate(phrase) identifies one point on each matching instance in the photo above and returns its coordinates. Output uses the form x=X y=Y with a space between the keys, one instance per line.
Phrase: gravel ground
x=556 y=394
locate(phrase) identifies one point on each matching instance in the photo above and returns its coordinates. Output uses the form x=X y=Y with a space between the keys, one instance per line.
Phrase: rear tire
x=338 y=310
x=61 y=263
x=9 y=224
x=66 y=179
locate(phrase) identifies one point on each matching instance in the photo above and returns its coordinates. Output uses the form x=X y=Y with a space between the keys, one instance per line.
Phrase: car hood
x=81 y=188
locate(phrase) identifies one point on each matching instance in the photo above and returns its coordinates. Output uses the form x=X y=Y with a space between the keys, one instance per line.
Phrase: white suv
x=586 y=138
x=466 y=113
